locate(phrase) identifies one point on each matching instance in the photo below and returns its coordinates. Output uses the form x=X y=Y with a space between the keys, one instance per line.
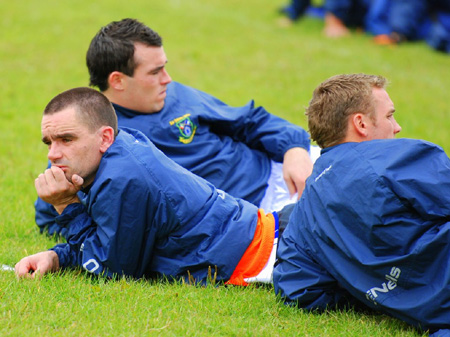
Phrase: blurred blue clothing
x=146 y=216
x=407 y=18
x=372 y=229
x=296 y=9
x=377 y=18
x=439 y=35
x=412 y=20
x=423 y=19
x=351 y=12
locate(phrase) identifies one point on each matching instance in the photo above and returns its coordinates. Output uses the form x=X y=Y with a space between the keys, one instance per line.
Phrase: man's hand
x=297 y=166
x=37 y=265
x=53 y=187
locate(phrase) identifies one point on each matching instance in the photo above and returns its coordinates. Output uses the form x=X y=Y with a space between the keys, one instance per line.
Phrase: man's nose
x=54 y=152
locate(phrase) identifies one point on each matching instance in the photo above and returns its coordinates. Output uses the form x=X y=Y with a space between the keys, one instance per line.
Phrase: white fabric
x=314 y=153
x=277 y=194
x=266 y=275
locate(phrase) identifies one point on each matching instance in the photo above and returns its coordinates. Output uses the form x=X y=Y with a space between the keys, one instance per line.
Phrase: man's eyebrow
x=159 y=68
x=46 y=140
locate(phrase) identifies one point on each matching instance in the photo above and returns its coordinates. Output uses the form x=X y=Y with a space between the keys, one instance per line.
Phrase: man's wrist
x=55 y=260
x=61 y=207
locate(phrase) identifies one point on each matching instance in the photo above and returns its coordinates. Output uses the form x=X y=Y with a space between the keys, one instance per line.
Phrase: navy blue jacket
x=231 y=147
x=372 y=227
x=145 y=216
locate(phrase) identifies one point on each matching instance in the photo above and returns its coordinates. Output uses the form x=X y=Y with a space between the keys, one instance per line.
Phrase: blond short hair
x=337 y=98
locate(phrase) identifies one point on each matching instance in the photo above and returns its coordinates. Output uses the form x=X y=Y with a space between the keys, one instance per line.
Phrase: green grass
x=236 y=50
x=75 y=305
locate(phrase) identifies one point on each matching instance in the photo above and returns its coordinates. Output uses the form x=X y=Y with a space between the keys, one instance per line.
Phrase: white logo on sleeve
x=91 y=265
x=391 y=284
x=221 y=194
x=323 y=172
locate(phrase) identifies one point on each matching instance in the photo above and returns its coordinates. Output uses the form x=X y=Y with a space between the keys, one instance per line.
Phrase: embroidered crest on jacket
x=186 y=127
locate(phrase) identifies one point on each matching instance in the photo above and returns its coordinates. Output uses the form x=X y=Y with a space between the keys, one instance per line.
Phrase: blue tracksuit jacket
x=231 y=147
x=145 y=216
x=372 y=227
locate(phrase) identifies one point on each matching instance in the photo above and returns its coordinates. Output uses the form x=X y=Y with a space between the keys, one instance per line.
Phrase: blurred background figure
x=439 y=35
x=295 y=9
x=390 y=21
x=377 y=21
x=397 y=21
x=338 y=15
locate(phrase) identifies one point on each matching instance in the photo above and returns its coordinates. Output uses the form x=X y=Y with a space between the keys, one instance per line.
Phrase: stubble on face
x=384 y=124
x=72 y=146
x=145 y=91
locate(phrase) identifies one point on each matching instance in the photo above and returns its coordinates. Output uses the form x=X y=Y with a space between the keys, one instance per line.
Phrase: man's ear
x=107 y=138
x=360 y=124
x=116 y=80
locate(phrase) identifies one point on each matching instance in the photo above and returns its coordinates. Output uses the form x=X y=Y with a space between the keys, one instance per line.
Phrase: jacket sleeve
x=299 y=280
x=113 y=234
x=254 y=126
x=45 y=215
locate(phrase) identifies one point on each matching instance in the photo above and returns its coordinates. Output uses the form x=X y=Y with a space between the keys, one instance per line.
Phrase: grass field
x=235 y=50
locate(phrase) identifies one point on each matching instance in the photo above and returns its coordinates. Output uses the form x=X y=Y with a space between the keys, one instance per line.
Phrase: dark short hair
x=335 y=100
x=112 y=49
x=93 y=108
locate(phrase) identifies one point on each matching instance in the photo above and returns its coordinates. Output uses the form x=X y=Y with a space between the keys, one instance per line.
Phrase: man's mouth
x=62 y=167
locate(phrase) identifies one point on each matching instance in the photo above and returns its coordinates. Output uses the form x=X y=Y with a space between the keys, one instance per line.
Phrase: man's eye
x=66 y=140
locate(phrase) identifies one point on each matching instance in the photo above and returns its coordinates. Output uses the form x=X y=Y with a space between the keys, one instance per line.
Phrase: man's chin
x=158 y=107
x=69 y=177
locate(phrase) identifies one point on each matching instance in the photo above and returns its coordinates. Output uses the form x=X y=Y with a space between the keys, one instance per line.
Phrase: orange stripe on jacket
x=258 y=252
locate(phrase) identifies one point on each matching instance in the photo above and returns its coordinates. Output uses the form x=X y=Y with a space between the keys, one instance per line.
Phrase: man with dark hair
x=244 y=151
x=372 y=227
x=113 y=49
x=129 y=210
x=239 y=150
